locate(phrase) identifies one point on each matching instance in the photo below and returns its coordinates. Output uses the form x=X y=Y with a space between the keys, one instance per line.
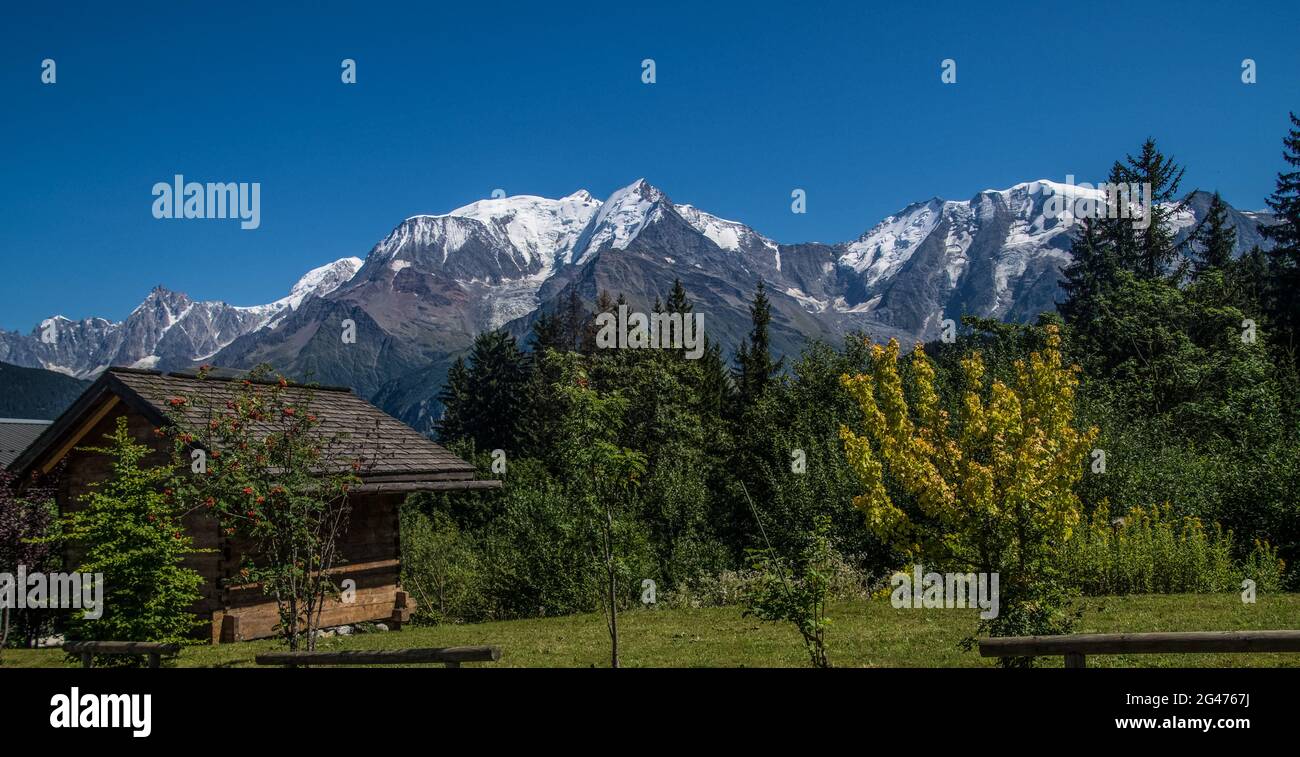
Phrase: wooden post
x=229 y=628
x=1075 y=660
x=155 y=660
x=452 y=657
x=401 y=610
x=87 y=660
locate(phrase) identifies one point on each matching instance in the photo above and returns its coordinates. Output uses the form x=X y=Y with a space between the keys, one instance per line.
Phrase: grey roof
x=16 y=434
x=388 y=448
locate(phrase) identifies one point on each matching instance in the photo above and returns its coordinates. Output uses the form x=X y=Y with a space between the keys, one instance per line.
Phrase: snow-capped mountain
x=168 y=330
x=434 y=282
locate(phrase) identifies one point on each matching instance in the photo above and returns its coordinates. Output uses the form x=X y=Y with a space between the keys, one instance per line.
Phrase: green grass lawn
x=863 y=634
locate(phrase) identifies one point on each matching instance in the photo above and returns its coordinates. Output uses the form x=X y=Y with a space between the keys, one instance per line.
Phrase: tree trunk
x=613 y=585
x=613 y=617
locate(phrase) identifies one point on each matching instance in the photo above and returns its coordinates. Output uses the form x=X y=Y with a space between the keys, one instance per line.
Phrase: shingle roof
x=388 y=448
x=16 y=434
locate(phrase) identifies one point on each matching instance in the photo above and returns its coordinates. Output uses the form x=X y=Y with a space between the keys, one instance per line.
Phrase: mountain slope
x=389 y=325
x=36 y=393
x=166 y=331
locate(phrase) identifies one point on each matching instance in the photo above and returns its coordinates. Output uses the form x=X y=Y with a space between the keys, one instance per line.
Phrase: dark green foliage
x=797 y=593
x=1284 y=258
x=1194 y=408
x=1215 y=239
x=755 y=368
x=129 y=529
x=26 y=517
x=1191 y=412
x=1090 y=276
x=34 y=393
x=678 y=302
x=484 y=399
x=548 y=334
x=1147 y=252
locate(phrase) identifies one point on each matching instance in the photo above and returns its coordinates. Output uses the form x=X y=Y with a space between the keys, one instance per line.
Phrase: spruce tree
x=1215 y=239
x=130 y=529
x=715 y=381
x=485 y=398
x=604 y=304
x=455 y=400
x=1284 y=258
x=575 y=320
x=548 y=333
x=678 y=302
x=755 y=368
x=1089 y=275
x=1154 y=247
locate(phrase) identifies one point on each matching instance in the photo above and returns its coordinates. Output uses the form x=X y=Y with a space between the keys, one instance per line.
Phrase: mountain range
x=421 y=295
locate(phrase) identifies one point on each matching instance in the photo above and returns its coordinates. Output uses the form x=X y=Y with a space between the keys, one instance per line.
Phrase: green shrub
x=1152 y=551
x=439 y=568
x=129 y=529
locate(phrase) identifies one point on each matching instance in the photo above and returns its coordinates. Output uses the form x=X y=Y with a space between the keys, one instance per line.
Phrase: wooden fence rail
x=452 y=657
x=88 y=650
x=1076 y=647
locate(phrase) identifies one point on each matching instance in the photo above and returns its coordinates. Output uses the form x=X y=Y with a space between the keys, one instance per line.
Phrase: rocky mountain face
x=167 y=331
x=389 y=325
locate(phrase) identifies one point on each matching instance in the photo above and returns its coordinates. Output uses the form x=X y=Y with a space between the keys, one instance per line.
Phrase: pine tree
x=1215 y=239
x=484 y=400
x=604 y=304
x=1154 y=246
x=1251 y=280
x=1089 y=275
x=1284 y=258
x=129 y=529
x=755 y=368
x=715 y=381
x=455 y=398
x=548 y=333
x=678 y=302
x=575 y=320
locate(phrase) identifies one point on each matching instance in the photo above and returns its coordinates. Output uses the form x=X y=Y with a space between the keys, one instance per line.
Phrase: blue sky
x=752 y=100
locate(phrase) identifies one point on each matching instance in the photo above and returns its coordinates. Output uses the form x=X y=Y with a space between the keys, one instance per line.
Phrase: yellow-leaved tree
x=984 y=481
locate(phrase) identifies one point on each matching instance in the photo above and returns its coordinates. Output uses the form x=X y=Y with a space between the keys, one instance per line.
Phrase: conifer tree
x=678 y=302
x=484 y=399
x=1153 y=248
x=548 y=333
x=1284 y=258
x=455 y=399
x=1215 y=239
x=1089 y=275
x=755 y=367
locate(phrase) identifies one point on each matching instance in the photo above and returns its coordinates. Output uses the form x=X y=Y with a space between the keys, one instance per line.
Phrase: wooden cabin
x=398 y=461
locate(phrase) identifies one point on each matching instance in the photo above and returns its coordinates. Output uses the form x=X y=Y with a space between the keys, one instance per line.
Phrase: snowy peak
x=166 y=330
x=529 y=229
x=621 y=217
x=884 y=248
x=729 y=235
x=539 y=229
x=319 y=282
